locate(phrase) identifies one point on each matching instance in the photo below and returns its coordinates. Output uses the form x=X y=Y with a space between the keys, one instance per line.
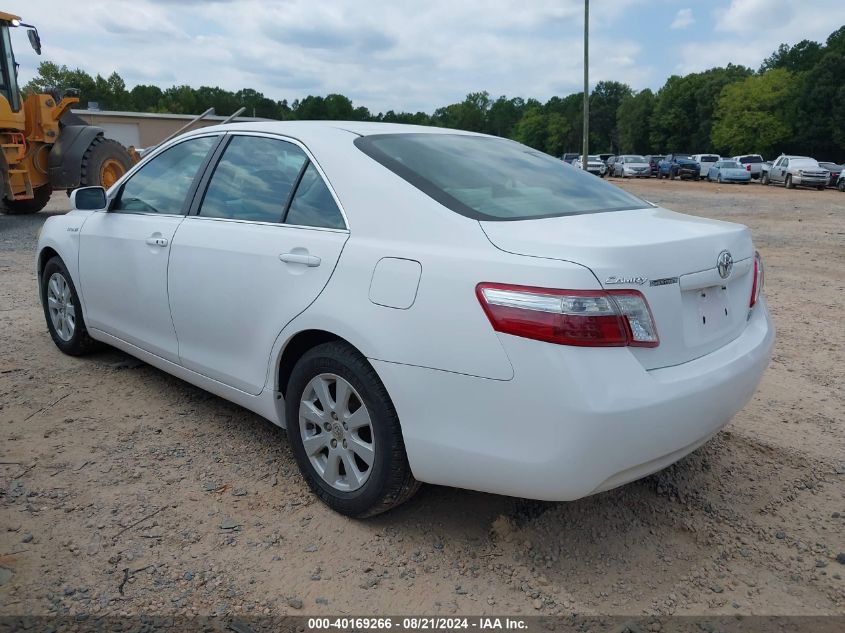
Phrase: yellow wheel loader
x=45 y=147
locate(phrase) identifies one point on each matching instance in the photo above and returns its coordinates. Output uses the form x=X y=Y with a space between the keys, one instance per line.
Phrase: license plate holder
x=714 y=310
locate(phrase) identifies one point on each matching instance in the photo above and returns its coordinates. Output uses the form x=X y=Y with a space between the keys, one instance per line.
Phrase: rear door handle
x=157 y=241
x=300 y=258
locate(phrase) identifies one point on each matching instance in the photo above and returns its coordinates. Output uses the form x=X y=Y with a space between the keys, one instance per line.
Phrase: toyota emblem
x=725 y=264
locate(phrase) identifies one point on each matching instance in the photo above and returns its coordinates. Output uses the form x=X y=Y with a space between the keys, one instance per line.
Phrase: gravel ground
x=125 y=491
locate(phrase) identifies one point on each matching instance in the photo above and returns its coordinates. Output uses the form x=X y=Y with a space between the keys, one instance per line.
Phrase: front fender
x=60 y=235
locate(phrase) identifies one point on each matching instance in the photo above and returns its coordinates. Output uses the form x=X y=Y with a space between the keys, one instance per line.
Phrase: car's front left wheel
x=63 y=310
x=344 y=432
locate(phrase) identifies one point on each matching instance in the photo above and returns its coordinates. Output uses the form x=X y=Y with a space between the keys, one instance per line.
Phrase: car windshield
x=489 y=178
x=803 y=162
x=682 y=156
x=635 y=159
x=753 y=160
x=730 y=164
x=709 y=159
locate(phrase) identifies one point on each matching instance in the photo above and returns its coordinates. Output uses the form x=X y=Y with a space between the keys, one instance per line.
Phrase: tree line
x=794 y=103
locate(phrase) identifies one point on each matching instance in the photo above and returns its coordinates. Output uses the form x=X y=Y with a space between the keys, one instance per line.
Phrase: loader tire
x=41 y=196
x=103 y=163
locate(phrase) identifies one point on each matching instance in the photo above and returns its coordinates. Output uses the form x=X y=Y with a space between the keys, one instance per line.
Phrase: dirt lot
x=125 y=491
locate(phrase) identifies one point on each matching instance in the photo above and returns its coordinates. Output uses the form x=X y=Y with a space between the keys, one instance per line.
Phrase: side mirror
x=88 y=199
x=34 y=40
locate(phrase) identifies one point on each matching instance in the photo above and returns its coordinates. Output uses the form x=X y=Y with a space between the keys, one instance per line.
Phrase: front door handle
x=300 y=258
x=157 y=241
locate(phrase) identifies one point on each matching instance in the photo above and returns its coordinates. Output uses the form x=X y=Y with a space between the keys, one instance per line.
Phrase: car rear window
x=709 y=159
x=745 y=160
x=489 y=178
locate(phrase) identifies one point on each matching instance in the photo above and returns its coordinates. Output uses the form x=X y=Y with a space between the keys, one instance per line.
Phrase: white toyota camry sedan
x=417 y=305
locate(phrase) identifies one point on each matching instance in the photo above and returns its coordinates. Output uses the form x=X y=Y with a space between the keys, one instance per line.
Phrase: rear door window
x=313 y=204
x=253 y=180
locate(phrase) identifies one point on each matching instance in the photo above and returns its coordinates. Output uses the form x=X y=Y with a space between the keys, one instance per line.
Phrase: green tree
x=604 y=103
x=754 y=115
x=51 y=76
x=632 y=120
x=557 y=133
x=503 y=115
x=803 y=56
x=533 y=128
x=145 y=98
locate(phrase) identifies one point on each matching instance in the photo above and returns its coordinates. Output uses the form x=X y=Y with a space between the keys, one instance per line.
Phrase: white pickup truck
x=793 y=171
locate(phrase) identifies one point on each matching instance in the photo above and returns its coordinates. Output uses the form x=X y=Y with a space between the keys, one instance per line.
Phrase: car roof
x=320 y=131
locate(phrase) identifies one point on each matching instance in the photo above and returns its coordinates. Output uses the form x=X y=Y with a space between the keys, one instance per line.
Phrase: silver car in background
x=631 y=166
x=793 y=171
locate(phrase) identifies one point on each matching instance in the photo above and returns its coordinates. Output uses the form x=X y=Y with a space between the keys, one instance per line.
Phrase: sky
x=402 y=55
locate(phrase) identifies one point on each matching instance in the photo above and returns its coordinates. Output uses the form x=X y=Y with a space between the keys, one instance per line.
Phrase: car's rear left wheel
x=345 y=433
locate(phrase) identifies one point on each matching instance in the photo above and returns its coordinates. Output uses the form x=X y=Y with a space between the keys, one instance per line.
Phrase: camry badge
x=613 y=279
x=725 y=264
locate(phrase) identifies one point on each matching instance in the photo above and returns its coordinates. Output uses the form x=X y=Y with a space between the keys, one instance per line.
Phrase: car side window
x=162 y=184
x=785 y=162
x=253 y=180
x=313 y=204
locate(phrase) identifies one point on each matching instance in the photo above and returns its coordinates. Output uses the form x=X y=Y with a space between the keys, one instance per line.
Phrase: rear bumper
x=573 y=421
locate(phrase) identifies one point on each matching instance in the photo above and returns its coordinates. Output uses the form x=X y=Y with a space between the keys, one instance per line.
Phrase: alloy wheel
x=337 y=432
x=60 y=305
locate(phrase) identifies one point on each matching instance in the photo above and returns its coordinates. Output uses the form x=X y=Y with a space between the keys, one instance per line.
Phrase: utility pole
x=585 y=141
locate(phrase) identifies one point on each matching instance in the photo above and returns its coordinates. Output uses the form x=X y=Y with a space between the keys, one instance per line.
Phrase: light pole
x=585 y=141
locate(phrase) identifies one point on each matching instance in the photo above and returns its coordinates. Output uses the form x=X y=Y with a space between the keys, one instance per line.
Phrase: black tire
x=80 y=342
x=390 y=481
x=820 y=188
x=41 y=196
x=764 y=179
x=841 y=185
x=787 y=182
x=719 y=179
x=100 y=152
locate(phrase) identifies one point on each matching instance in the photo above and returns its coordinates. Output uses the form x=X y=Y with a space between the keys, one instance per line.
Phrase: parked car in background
x=728 y=171
x=551 y=318
x=679 y=166
x=706 y=161
x=654 y=163
x=753 y=163
x=569 y=157
x=795 y=171
x=631 y=166
x=834 y=169
x=604 y=157
x=594 y=165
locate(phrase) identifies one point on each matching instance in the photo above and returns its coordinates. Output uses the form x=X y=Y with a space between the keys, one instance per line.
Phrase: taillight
x=748 y=167
x=757 y=283
x=588 y=318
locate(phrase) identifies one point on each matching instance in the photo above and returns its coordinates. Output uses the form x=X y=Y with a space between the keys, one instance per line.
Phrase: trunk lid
x=670 y=257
